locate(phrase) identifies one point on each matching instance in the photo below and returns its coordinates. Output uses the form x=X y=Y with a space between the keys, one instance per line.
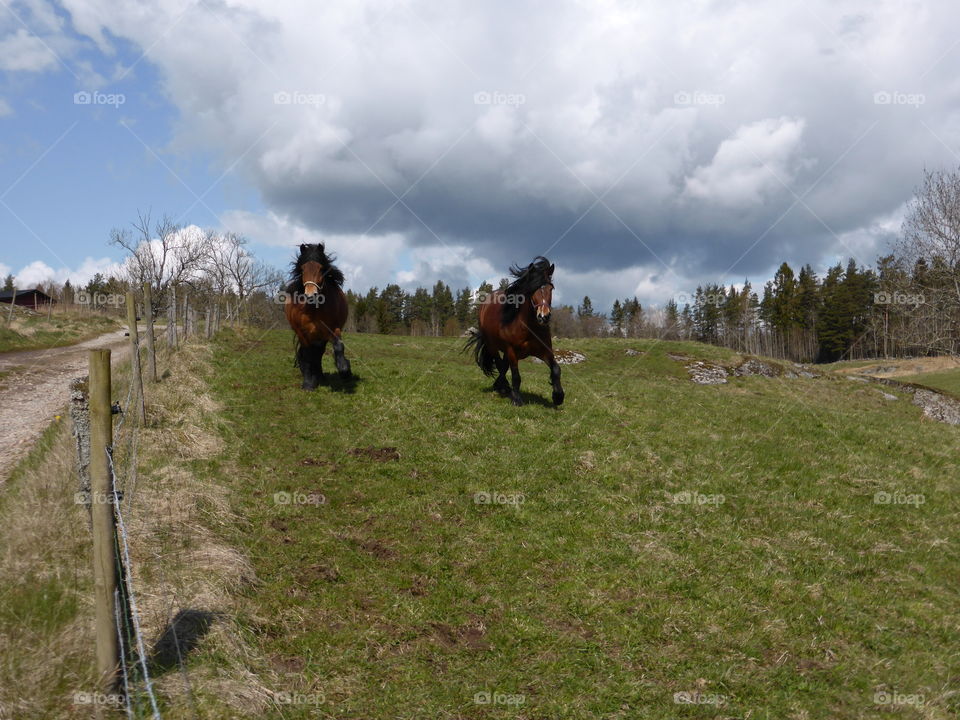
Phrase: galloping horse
x=516 y=322
x=316 y=309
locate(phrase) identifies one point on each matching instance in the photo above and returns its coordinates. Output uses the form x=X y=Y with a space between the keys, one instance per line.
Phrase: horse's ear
x=551 y=269
x=303 y=247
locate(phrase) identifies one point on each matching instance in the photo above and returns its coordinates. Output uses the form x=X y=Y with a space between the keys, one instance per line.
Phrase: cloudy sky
x=645 y=147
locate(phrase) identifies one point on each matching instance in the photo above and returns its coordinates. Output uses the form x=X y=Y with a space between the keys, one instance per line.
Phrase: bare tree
x=161 y=253
x=928 y=264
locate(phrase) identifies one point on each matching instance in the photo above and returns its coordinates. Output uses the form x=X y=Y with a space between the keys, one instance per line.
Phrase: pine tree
x=585 y=309
x=463 y=307
x=8 y=283
x=390 y=309
x=616 y=318
x=671 y=319
x=441 y=307
x=633 y=317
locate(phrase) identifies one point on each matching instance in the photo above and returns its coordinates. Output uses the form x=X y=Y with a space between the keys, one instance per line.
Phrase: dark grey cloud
x=721 y=138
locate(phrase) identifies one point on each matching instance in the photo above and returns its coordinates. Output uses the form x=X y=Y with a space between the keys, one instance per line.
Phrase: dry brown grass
x=181 y=566
x=901 y=367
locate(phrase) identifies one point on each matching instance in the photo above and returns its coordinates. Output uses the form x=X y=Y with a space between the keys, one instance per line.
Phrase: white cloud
x=5 y=109
x=23 y=51
x=38 y=272
x=366 y=260
x=760 y=159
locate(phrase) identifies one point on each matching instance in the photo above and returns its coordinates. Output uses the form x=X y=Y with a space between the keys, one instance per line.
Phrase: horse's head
x=313 y=265
x=542 y=298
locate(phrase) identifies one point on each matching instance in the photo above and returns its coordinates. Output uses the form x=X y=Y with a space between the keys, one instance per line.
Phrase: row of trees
x=441 y=311
x=205 y=268
x=909 y=304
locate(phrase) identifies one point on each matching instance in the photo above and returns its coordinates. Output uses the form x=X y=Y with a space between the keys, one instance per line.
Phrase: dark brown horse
x=316 y=309
x=516 y=322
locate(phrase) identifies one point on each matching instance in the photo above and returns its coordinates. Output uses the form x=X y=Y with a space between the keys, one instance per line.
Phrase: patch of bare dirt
x=384 y=454
x=37 y=390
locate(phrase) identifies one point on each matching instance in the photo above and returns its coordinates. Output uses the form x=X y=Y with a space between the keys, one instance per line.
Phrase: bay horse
x=516 y=322
x=316 y=309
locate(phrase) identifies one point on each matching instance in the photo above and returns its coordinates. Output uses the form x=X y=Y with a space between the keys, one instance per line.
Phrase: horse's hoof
x=308 y=386
x=517 y=401
x=558 y=398
x=345 y=375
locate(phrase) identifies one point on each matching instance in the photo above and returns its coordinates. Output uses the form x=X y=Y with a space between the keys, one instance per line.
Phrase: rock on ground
x=706 y=374
x=756 y=367
x=938 y=407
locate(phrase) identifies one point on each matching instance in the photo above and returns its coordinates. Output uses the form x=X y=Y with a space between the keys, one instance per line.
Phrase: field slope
x=767 y=548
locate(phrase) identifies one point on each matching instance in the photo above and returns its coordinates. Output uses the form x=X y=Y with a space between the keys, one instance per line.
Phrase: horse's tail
x=296 y=350
x=481 y=353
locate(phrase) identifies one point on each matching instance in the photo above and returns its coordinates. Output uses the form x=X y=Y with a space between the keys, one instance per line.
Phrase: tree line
x=908 y=305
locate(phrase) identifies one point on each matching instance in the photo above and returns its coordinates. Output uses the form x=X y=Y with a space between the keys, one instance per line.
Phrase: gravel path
x=36 y=390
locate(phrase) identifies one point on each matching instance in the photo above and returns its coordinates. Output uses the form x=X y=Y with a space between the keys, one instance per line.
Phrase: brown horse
x=316 y=309
x=516 y=322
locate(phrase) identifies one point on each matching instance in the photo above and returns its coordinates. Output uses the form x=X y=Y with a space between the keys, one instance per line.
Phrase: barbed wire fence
x=127 y=678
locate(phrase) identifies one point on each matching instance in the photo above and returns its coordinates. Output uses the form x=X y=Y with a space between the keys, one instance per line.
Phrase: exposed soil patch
x=36 y=386
x=384 y=454
x=317 y=462
x=469 y=635
x=378 y=548
x=320 y=572
x=288 y=664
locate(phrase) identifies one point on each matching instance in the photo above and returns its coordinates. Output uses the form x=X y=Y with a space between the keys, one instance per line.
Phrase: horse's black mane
x=527 y=281
x=313 y=253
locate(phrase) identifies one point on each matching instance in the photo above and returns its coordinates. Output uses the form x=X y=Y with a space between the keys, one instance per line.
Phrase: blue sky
x=646 y=147
x=70 y=172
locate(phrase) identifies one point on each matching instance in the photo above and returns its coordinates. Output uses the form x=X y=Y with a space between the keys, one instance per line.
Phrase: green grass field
x=36 y=332
x=768 y=548
x=948 y=380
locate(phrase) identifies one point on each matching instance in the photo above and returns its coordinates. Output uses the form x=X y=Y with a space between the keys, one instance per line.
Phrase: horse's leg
x=306 y=361
x=319 y=349
x=515 y=375
x=555 y=380
x=343 y=365
x=500 y=384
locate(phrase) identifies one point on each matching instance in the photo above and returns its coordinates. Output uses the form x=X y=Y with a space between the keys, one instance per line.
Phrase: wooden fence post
x=13 y=302
x=186 y=317
x=151 y=349
x=135 y=375
x=172 y=339
x=104 y=530
x=206 y=323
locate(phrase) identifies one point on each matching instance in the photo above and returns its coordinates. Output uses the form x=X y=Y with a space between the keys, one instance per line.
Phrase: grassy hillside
x=947 y=380
x=33 y=331
x=768 y=548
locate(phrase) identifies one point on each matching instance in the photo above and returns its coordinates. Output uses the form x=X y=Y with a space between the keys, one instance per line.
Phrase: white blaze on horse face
x=312 y=274
x=541 y=301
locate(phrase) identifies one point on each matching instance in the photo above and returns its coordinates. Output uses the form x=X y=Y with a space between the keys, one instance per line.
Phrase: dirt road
x=34 y=389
